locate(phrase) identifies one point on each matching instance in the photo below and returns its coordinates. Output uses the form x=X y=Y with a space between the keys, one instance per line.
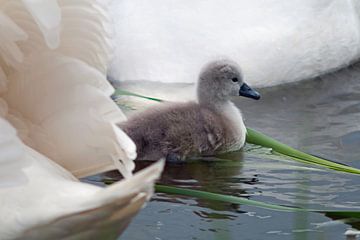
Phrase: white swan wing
x=56 y=95
x=12 y=157
x=59 y=100
x=106 y=222
x=62 y=206
x=47 y=14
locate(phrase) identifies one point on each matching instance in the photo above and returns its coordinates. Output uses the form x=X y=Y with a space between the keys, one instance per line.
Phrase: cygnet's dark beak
x=247 y=91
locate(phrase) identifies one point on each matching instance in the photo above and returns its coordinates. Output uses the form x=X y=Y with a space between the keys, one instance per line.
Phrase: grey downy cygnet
x=212 y=125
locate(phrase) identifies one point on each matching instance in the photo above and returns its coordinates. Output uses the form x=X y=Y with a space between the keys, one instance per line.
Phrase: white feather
x=47 y=15
x=54 y=92
x=274 y=41
x=52 y=193
x=12 y=157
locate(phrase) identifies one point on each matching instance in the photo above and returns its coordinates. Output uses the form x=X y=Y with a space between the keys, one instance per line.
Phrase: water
x=319 y=116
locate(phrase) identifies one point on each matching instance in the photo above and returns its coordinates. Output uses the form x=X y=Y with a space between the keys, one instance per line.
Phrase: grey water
x=320 y=116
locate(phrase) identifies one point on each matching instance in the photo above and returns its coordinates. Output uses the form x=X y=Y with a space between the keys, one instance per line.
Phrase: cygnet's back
x=178 y=130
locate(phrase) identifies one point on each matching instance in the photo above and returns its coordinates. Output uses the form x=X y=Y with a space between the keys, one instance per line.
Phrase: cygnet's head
x=220 y=80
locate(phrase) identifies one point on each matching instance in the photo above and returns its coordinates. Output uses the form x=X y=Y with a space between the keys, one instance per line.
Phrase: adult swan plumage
x=57 y=123
x=275 y=41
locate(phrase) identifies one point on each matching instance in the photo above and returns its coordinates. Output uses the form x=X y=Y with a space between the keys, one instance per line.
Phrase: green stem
x=127 y=93
x=221 y=197
x=258 y=138
x=248 y=202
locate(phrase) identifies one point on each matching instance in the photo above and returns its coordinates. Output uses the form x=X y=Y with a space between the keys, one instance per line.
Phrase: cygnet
x=211 y=125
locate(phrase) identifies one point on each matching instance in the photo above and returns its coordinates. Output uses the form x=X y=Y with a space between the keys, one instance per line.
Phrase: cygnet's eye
x=235 y=79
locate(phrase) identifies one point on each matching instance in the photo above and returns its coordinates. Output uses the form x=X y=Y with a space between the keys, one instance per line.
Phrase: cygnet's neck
x=217 y=106
x=228 y=111
x=223 y=107
x=211 y=100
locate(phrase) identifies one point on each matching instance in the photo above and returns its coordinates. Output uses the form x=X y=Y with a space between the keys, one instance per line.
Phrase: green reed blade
x=248 y=202
x=340 y=214
x=222 y=198
x=127 y=93
x=258 y=138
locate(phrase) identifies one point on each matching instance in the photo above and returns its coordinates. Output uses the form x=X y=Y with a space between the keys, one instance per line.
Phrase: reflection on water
x=320 y=116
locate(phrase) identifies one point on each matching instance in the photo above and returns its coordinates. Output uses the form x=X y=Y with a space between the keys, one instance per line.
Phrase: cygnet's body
x=213 y=125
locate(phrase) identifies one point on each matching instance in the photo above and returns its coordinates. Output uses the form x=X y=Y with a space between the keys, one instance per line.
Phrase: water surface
x=320 y=116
